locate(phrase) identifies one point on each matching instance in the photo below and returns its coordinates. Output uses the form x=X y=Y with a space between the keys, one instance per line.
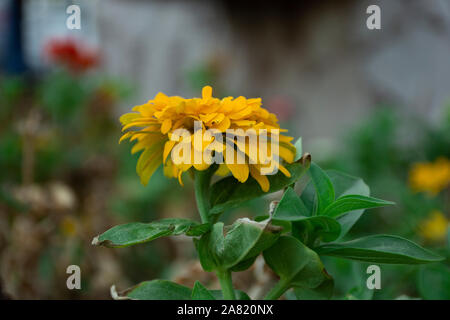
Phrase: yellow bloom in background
x=434 y=228
x=154 y=125
x=68 y=226
x=430 y=177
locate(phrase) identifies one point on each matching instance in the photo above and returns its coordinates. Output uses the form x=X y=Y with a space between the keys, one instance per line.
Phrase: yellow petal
x=286 y=139
x=141 y=134
x=284 y=170
x=239 y=171
x=249 y=146
x=128 y=117
x=150 y=168
x=208 y=117
x=147 y=164
x=180 y=180
x=222 y=125
x=241 y=114
x=218 y=118
x=262 y=180
x=153 y=142
x=125 y=136
x=137 y=124
x=167 y=148
x=166 y=125
x=160 y=99
x=146 y=110
x=168 y=169
x=201 y=167
x=244 y=123
x=207 y=92
x=286 y=153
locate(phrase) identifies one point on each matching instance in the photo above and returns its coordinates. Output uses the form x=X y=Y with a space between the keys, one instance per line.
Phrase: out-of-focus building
x=319 y=56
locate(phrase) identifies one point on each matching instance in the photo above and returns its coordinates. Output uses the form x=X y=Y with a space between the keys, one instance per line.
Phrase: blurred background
x=372 y=103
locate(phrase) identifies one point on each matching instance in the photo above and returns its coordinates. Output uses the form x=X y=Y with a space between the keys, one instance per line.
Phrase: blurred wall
x=46 y=19
x=319 y=57
x=322 y=57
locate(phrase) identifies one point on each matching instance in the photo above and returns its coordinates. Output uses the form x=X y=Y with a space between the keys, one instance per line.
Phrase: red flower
x=73 y=55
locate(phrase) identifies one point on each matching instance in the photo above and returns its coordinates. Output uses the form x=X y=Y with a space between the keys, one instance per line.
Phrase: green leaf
x=207 y=261
x=290 y=207
x=310 y=229
x=199 y=292
x=134 y=233
x=298 y=148
x=240 y=295
x=305 y=228
x=295 y=263
x=434 y=282
x=359 y=293
x=323 y=292
x=287 y=257
x=380 y=249
x=324 y=187
x=228 y=192
x=286 y=225
x=353 y=202
x=241 y=244
x=244 y=264
x=157 y=290
x=344 y=184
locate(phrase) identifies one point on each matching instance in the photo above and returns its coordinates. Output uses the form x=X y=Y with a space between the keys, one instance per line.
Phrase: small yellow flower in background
x=68 y=226
x=159 y=119
x=434 y=228
x=430 y=177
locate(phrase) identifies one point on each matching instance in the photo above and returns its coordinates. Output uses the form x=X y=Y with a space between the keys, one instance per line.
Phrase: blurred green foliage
x=379 y=151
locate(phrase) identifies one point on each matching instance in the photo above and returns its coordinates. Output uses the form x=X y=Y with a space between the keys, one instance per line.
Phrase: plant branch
x=226 y=284
x=278 y=290
x=202 y=180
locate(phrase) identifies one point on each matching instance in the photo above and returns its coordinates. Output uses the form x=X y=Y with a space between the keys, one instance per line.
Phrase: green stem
x=201 y=186
x=280 y=288
x=226 y=285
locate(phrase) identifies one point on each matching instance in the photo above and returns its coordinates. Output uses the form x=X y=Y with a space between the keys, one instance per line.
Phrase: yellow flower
x=430 y=177
x=68 y=226
x=435 y=227
x=160 y=120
